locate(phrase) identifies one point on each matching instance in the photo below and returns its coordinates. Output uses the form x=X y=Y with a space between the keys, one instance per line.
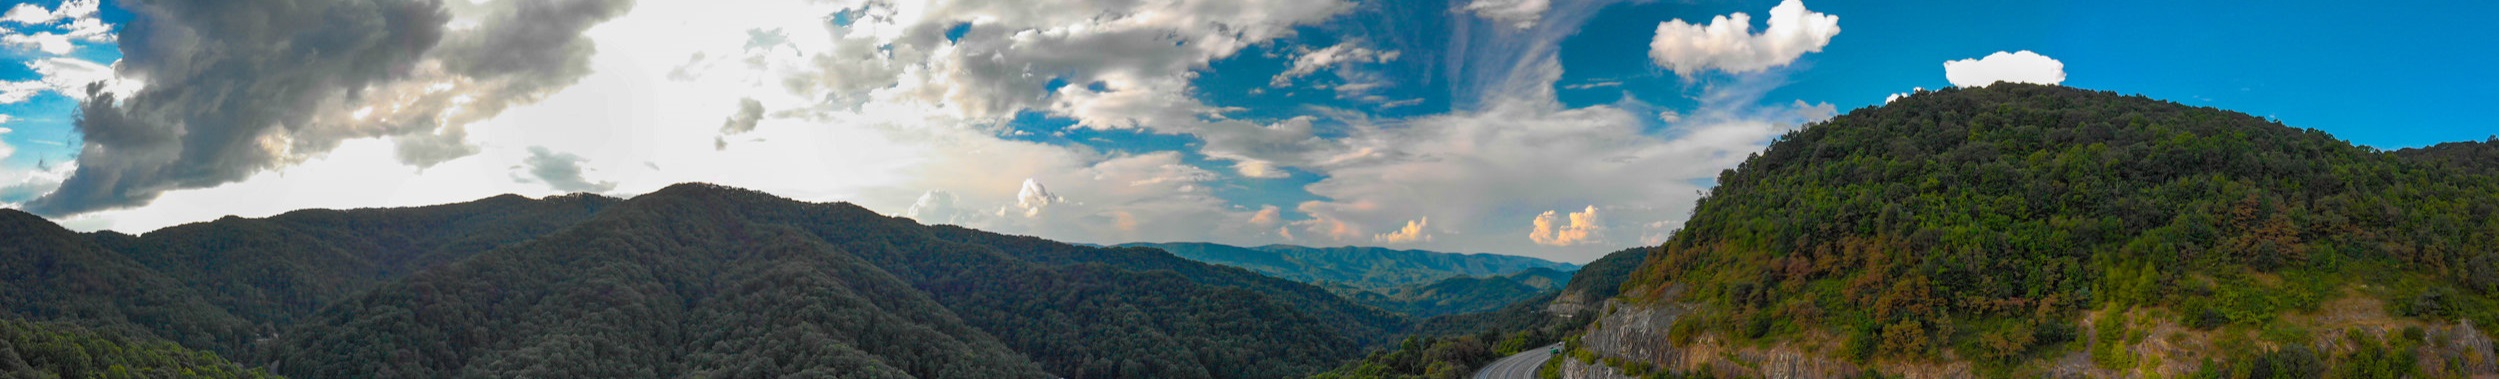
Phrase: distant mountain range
x=1414 y=282
x=1365 y=268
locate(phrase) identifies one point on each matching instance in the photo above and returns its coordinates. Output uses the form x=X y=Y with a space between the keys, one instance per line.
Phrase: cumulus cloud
x=74 y=20
x=48 y=42
x=12 y=92
x=1413 y=232
x=1581 y=228
x=1033 y=197
x=937 y=207
x=1728 y=44
x=1521 y=14
x=1268 y=215
x=1478 y=171
x=1342 y=54
x=562 y=171
x=226 y=105
x=66 y=77
x=1898 y=96
x=749 y=113
x=27 y=13
x=16 y=187
x=2019 y=67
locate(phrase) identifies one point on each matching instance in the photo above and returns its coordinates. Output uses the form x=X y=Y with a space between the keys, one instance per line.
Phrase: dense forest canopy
x=33 y=350
x=1983 y=222
x=693 y=280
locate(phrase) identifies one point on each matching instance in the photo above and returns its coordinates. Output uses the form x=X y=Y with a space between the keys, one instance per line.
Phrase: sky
x=1554 y=129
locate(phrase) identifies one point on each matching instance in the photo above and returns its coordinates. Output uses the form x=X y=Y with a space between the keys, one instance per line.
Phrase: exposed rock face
x=2457 y=351
x=1573 y=369
x=1634 y=332
x=1637 y=333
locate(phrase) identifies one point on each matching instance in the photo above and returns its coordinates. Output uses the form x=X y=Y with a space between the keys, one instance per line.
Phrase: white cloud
x=1033 y=197
x=27 y=13
x=31 y=14
x=1413 y=232
x=18 y=185
x=937 y=207
x=67 y=77
x=1898 y=96
x=1343 y=54
x=2019 y=67
x=1476 y=173
x=1728 y=44
x=12 y=92
x=1520 y=14
x=77 y=23
x=47 y=42
x=1267 y=215
x=1580 y=228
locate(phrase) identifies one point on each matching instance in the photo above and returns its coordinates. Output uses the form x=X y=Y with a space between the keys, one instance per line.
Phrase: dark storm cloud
x=235 y=87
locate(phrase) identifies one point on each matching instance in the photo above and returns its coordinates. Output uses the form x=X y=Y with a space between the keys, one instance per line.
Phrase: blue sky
x=1554 y=129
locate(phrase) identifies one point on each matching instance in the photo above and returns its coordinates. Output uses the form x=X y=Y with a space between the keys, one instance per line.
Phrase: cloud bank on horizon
x=1455 y=125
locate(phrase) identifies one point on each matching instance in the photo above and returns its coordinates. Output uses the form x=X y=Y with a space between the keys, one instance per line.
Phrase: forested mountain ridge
x=700 y=280
x=1465 y=294
x=692 y=280
x=59 y=350
x=2015 y=229
x=273 y=271
x=1363 y=268
x=50 y=273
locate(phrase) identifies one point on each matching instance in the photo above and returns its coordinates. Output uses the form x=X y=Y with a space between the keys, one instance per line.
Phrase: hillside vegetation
x=1454 y=346
x=690 y=281
x=1464 y=294
x=53 y=350
x=2001 y=228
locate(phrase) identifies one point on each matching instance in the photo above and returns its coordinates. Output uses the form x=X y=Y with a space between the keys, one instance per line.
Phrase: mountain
x=1465 y=294
x=56 y=350
x=1598 y=281
x=699 y=280
x=1456 y=345
x=2027 y=231
x=274 y=271
x=50 y=273
x=1361 y=268
x=692 y=280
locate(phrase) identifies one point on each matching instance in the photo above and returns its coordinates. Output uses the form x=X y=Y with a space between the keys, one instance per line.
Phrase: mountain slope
x=273 y=271
x=2002 y=229
x=57 y=350
x=1363 y=268
x=1368 y=325
x=710 y=281
x=51 y=274
x=1454 y=345
x=1465 y=294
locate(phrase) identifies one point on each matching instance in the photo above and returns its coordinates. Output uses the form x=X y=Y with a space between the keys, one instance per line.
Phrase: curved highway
x=1520 y=366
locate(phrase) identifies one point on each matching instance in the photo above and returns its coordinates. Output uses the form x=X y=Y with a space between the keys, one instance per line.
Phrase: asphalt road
x=1520 y=366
